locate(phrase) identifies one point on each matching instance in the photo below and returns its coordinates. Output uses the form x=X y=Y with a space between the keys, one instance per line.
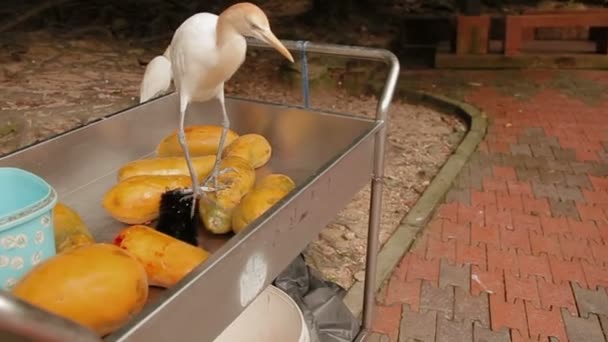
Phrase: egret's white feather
x=156 y=80
x=200 y=64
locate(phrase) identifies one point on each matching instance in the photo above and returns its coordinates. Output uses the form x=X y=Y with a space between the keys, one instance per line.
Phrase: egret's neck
x=225 y=32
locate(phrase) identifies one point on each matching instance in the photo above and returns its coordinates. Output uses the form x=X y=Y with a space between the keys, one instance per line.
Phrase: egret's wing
x=157 y=79
x=193 y=51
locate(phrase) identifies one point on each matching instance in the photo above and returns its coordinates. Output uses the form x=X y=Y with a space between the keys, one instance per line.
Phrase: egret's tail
x=157 y=78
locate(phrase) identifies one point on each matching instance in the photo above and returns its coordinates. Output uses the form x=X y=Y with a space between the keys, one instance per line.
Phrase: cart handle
x=355 y=52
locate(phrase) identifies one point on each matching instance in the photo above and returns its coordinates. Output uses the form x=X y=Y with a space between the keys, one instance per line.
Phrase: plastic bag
x=327 y=317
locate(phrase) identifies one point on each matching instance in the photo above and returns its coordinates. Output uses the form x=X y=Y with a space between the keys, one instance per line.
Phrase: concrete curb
x=419 y=215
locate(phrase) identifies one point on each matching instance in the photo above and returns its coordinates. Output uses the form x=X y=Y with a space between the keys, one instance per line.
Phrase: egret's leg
x=181 y=136
x=218 y=158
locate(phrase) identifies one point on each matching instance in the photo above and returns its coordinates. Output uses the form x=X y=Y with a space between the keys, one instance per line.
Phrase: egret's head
x=250 y=21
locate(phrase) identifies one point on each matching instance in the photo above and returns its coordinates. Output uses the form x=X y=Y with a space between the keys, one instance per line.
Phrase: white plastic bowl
x=272 y=317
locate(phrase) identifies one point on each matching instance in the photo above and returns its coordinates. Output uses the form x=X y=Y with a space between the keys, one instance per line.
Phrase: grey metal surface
x=330 y=157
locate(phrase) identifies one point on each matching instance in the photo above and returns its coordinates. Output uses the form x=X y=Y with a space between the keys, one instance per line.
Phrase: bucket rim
x=18 y=216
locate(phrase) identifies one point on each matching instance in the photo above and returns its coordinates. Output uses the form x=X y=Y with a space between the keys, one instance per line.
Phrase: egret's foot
x=212 y=177
x=189 y=194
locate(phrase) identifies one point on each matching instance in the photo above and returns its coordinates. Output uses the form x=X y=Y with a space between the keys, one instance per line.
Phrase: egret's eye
x=255 y=27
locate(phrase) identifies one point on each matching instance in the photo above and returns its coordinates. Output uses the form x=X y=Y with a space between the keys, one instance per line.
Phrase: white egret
x=206 y=50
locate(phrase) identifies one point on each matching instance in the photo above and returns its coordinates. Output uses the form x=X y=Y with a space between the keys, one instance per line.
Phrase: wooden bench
x=519 y=25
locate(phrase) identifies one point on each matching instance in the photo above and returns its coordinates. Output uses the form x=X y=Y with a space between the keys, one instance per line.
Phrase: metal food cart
x=330 y=156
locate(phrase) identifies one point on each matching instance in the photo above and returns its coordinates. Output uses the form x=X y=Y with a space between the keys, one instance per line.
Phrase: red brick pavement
x=519 y=249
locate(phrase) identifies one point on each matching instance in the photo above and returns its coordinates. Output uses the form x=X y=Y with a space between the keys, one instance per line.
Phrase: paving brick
x=510 y=315
x=539 y=163
x=552 y=177
x=591 y=301
x=471 y=308
x=536 y=206
x=503 y=260
x=554 y=225
x=505 y=172
x=581 y=329
x=588 y=212
x=578 y=180
x=517 y=336
x=482 y=198
x=568 y=193
x=545 y=245
x=586 y=155
x=521 y=288
x=509 y=202
x=376 y=337
x=437 y=249
x=580 y=167
x=526 y=221
x=456 y=231
x=600 y=253
x=498 y=147
x=436 y=299
x=491 y=282
x=520 y=149
x=386 y=320
x=545 y=323
x=595 y=197
x=576 y=249
x=542 y=151
x=458 y=195
x=494 y=184
x=600 y=169
x=448 y=211
x=556 y=296
x=498 y=218
x=604 y=325
x=435 y=227
x=531 y=265
x=527 y=175
x=564 y=154
x=448 y=331
x=419 y=268
x=516 y=187
x=585 y=230
x=602 y=227
x=489 y=236
x=459 y=276
x=470 y=215
x=544 y=190
x=400 y=291
x=565 y=271
x=513 y=161
x=417 y=326
x=484 y=334
x=550 y=141
x=515 y=239
x=599 y=183
x=536 y=132
x=565 y=209
x=471 y=255
x=595 y=275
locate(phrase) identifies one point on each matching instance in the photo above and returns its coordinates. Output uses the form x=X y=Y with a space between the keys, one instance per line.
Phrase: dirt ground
x=52 y=83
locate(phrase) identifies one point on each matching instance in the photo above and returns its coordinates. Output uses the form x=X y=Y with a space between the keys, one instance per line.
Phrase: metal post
x=375 y=211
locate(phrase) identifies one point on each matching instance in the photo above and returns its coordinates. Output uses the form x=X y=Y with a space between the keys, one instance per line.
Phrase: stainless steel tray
x=329 y=156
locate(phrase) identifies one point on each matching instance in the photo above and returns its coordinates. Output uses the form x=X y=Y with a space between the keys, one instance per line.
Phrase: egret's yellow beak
x=271 y=39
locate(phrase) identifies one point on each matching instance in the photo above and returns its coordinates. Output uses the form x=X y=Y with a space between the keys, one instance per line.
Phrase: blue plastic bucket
x=26 y=223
